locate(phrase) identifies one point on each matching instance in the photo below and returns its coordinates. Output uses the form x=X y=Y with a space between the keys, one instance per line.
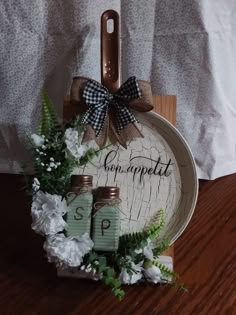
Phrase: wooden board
x=163 y=105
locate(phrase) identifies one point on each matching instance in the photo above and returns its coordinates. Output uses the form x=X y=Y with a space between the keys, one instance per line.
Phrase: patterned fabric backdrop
x=183 y=47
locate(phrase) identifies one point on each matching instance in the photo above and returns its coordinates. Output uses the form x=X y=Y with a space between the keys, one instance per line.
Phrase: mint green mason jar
x=80 y=203
x=106 y=219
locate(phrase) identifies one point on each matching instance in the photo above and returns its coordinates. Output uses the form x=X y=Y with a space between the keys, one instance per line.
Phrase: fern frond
x=170 y=276
x=161 y=247
x=157 y=224
x=167 y=272
x=132 y=240
x=49 y=122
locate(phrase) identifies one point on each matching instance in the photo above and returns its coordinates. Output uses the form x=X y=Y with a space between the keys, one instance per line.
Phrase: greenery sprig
x=109 y=265
x=53 y=163
x=133 y=240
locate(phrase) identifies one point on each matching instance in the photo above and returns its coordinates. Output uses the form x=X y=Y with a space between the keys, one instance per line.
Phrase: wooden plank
x=165 y=105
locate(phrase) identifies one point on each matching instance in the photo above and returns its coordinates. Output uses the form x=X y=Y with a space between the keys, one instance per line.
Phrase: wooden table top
x=205 y=257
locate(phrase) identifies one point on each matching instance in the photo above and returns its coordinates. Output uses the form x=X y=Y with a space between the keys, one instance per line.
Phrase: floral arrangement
x=57 y=150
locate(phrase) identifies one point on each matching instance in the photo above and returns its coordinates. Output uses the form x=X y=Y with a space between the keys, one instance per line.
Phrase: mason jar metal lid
x=81 y=180
x=108 y=192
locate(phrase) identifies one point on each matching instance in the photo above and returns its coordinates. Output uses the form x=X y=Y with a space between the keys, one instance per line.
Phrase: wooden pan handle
x=110 y=51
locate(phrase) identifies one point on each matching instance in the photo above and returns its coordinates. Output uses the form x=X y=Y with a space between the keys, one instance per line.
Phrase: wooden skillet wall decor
x=141 y=168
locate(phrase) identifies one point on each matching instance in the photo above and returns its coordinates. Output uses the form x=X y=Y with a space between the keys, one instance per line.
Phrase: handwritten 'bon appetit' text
x=159 y=168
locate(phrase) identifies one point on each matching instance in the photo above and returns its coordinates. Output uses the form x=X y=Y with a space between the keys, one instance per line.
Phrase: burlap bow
x=108 y=115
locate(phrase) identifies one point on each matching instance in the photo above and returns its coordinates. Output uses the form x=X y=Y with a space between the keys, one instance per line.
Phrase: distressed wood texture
x=205 y=257
x=165 y=105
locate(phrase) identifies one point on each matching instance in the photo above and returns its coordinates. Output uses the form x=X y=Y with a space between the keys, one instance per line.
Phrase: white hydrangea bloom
x=37 y=140
x=153 y=274
x=131 y=277
x=73 y=143
x=147 y=250
x=47 y=211
x=67 y=251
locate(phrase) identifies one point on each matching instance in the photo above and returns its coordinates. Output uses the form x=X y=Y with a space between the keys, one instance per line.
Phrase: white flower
x=147 y=250
x=49 y=169
x=131 y=277
x=152 y=274
x=73 y=144
x=35 y=185
x=47 y=211
x=139 y=251
x=67 y=251
x=37 y=140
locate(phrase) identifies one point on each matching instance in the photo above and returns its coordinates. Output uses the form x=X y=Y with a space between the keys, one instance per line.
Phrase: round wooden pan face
x=157 y=171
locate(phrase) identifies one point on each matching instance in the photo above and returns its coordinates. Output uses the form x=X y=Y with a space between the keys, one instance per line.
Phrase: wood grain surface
x=165 y=105
x=205 y=257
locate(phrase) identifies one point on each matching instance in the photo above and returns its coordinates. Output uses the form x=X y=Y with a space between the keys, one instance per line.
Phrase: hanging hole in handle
x=110 y=26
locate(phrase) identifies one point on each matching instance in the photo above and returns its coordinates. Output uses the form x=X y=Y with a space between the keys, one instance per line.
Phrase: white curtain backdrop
x=183 y=47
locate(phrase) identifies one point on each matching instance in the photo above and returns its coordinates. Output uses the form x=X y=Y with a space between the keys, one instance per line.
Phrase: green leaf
x=111 y=272
x=49 y=122
x=161 y=247
x=139 y=239
x=116 y=283
x=108 y=280
x=93 y=256
x=165 y=270
x=102 y=264
x=157 y=224
x=121 y=295
x=102 y=260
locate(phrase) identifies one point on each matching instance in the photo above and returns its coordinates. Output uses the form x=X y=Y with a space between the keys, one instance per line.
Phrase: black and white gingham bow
x=100 y=101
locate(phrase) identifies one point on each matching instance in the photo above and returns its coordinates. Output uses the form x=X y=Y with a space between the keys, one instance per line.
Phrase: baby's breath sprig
x=57 y=150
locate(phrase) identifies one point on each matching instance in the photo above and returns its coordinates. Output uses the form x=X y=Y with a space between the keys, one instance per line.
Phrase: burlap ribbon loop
x=109 y=115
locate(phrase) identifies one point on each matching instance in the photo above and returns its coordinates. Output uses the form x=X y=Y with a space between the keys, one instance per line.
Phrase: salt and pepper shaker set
x=95 y=213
